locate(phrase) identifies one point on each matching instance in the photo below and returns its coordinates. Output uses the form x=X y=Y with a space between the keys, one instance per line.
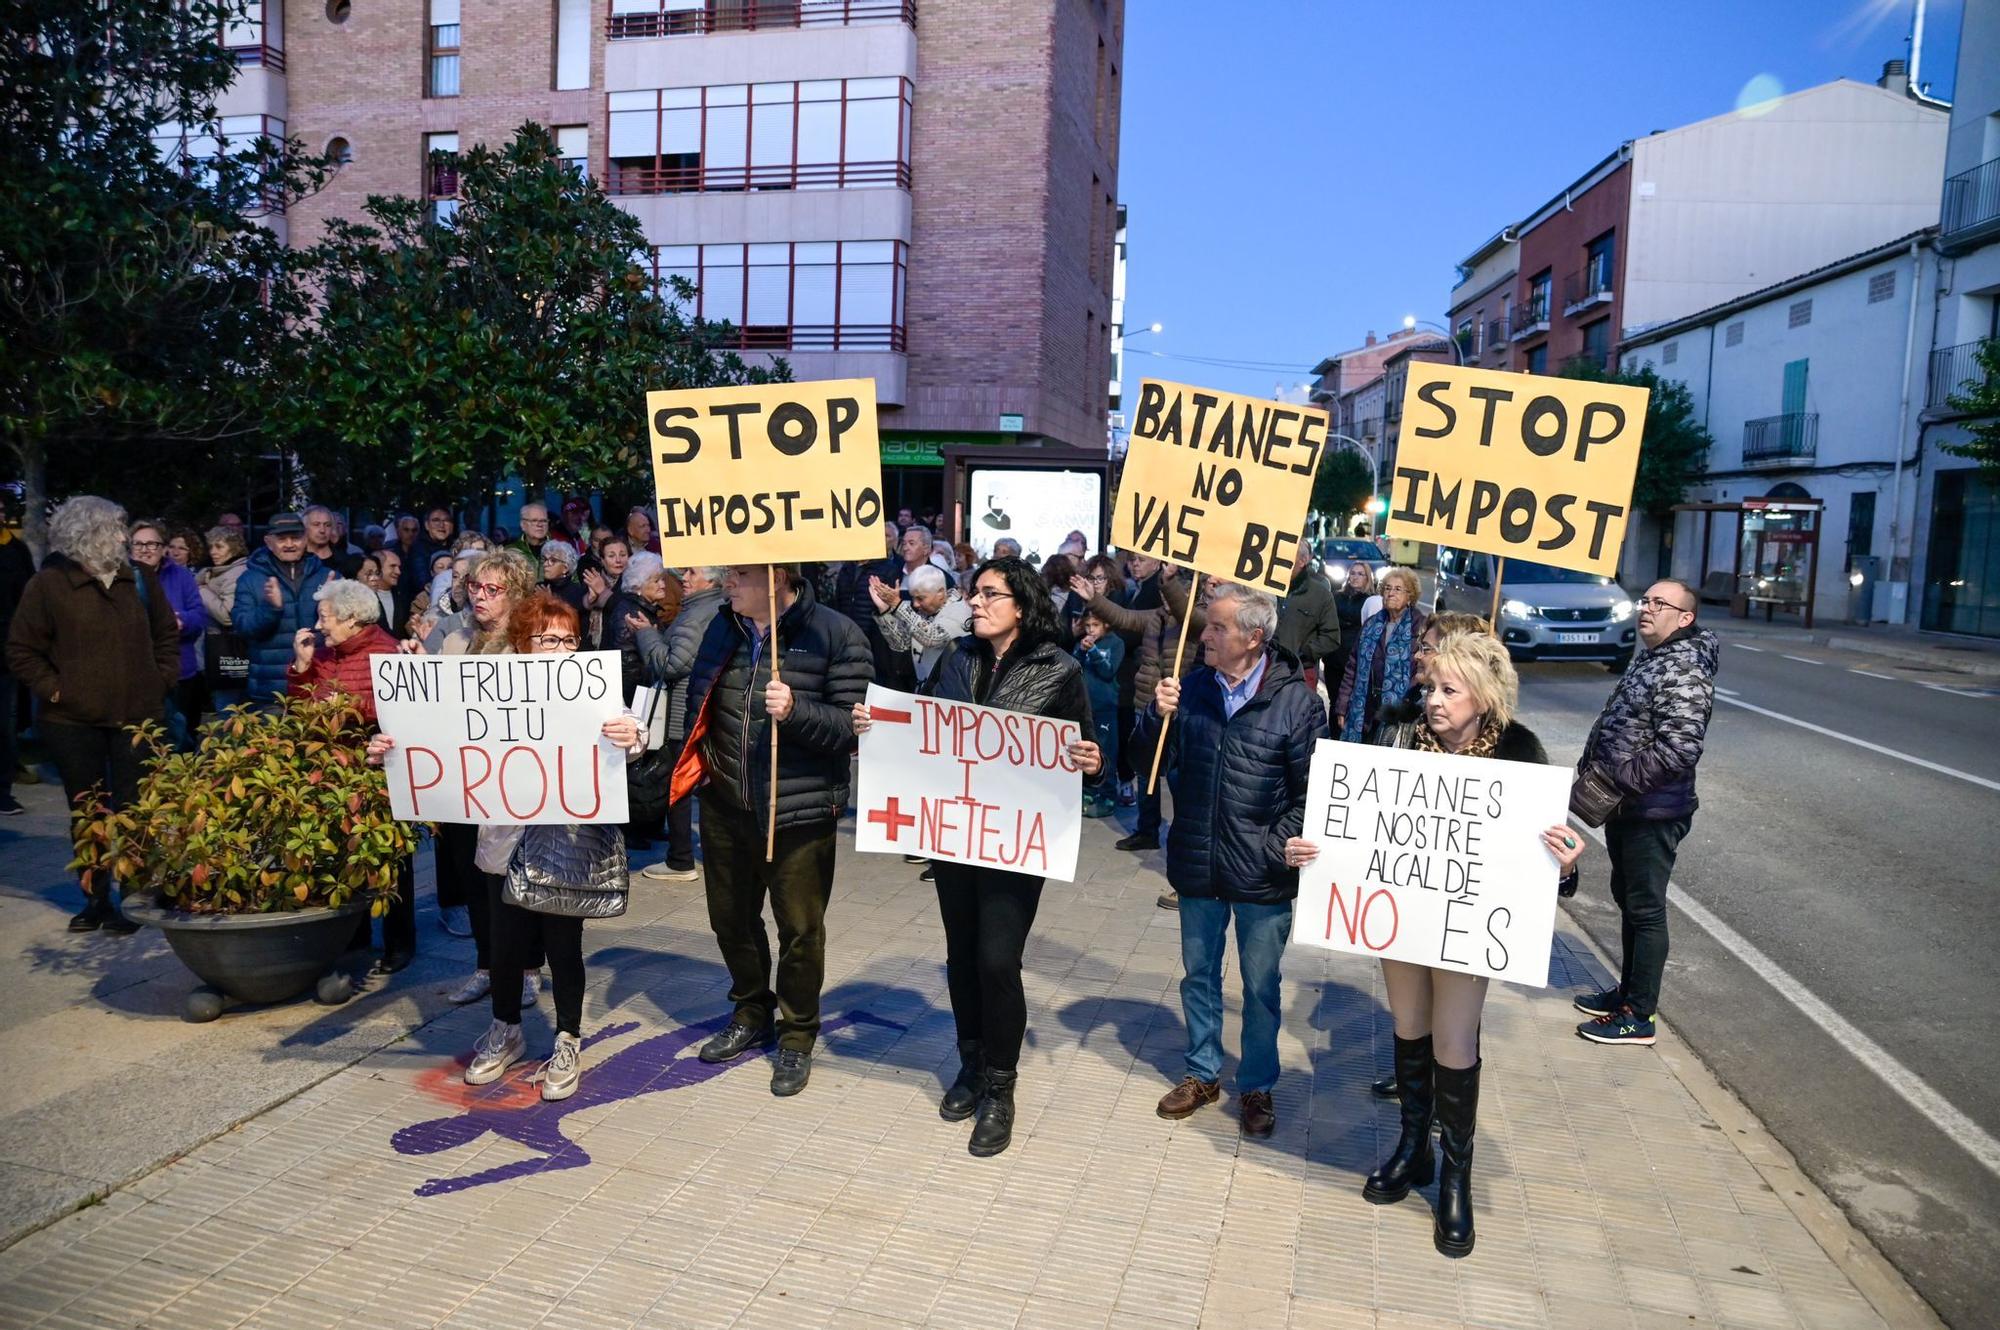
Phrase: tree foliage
x=1980 y=399
x=141 y=296
x=1343 y=482
x=518 y=337
x=1675 y=446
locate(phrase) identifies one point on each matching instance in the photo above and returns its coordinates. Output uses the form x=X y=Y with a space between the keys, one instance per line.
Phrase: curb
x=1871 y=1273
x=1970 y=662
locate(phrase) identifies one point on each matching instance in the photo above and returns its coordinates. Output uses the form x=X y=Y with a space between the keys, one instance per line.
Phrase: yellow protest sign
x=767 y=473
x=1517 y=465
x=1219 y=483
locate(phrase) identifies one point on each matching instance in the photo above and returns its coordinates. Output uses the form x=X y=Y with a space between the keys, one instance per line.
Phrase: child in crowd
x=1101 y=651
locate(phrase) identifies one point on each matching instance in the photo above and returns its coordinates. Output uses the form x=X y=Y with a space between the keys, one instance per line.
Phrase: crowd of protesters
x=129 y=621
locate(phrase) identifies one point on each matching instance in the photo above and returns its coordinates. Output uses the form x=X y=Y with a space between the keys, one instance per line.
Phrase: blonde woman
x=1382 y=663
x=1468 y=711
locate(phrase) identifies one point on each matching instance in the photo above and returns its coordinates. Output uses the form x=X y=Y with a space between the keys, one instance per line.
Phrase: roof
x=1839 y=267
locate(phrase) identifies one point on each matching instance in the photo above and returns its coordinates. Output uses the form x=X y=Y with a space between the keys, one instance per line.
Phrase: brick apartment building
x=922 y=192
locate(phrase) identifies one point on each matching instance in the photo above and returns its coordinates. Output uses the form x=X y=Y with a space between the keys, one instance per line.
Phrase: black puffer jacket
x=1240 y=784
x=1041 y=679
x=827 y=665
x=1651 y=732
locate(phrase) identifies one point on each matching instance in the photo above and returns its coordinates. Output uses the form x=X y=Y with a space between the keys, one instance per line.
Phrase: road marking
x=1923 y=762
x=1955 y=692
x=1870 y=674
x=1744 y=646
x=1727 y=692
x=1913 y=1089
x=1805 y=660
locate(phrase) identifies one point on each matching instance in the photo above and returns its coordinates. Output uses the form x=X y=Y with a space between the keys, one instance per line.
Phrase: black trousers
x=1642 y=861
x=521 y=941
x=399 y=926
x=10 y=753
x=799 y=883
x=680 y=820
x=99 y=757
x=1127 y=717
x=1146 y=737
x=459 y=882
x=987 y=915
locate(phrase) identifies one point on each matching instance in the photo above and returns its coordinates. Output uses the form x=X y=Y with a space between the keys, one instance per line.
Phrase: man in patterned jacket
x=1647 y=742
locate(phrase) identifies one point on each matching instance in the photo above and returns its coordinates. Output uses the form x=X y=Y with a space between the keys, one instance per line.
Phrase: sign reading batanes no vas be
x=767 y=473
x=1518 y=465
x=1219 y=483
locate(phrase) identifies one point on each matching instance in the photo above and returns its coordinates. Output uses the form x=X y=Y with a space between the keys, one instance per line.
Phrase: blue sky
x=1302 y=171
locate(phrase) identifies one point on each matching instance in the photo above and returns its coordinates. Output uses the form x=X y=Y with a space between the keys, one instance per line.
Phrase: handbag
x=1593 y=796
x=577 y=870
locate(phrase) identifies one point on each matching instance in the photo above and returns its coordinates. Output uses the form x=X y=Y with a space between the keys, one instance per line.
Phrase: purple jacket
x=184 y=596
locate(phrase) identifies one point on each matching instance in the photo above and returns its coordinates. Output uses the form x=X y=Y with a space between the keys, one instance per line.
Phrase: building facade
x=1482 y=304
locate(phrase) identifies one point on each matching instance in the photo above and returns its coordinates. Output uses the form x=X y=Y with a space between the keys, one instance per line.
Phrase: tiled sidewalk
x=671 y=1194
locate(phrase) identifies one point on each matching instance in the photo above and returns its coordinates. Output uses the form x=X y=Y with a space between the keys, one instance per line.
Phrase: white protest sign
x=1432 y=859
x=969 y=785
x=502 y=740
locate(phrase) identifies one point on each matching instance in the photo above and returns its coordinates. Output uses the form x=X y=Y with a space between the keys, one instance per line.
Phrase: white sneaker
x=564 y=1068
x=455 y=920
x=659 y=872
x=473 y=989
x=531 y=988
x=498 y=1049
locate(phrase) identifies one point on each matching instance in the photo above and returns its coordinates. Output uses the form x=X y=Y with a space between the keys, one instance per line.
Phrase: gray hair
x=640 y=571
x=927 y=578
x=318 y=508
x=561 y=551
x=350 y=601
x=230 y=538
x=539 y=507
x=1256 y=611
x=1006 y=548
x=90 y=531
x=921 y=530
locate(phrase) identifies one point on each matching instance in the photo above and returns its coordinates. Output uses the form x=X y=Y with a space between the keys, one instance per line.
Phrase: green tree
x=141 y=297
x=1675 y=445
x=1342 y=484
x=519 y=336
x=1980 y=399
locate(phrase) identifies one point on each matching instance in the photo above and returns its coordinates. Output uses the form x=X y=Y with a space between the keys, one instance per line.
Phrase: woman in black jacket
x=1468 y=711
x=1013 y=660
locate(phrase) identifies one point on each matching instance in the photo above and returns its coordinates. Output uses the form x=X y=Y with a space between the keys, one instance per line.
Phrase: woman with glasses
x=1014 y=660
x=149 y=551
x=1380 y=667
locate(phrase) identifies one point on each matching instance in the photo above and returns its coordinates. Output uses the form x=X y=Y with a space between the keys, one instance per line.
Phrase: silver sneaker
x=659 y=872
x=473 y=989
x=455 y=920
x=498 y=1049
x=531 y=988
x=564 y=1068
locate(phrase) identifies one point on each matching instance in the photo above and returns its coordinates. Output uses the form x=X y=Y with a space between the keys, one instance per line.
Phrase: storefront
x=1962 y=572
x=1776 y=556
x=1036 y=496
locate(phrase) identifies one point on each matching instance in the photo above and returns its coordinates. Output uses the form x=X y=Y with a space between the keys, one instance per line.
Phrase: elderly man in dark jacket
x=274 y=599
x=735 y=702
x=1308 y=617
x=1240 y=750
x=1647 y=742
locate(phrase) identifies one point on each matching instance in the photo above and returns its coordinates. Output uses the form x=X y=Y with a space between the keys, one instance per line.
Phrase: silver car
x=1545 y=613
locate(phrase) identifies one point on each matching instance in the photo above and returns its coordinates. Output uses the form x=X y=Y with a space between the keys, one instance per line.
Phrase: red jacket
x=343 y=669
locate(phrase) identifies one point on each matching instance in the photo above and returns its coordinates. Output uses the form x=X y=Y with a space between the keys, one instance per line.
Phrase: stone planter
x=252 y=957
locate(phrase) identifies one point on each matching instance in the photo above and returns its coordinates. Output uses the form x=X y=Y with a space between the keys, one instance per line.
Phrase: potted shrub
x=263 y=848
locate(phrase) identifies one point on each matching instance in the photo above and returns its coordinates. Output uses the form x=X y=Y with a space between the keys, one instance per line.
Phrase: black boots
x=1457 y=1114
x=995 y=1129
x=1411 y=1163
x=98 y=912
x=963 y=1096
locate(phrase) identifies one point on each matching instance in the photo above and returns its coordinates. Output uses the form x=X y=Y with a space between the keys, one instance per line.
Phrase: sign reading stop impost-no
x=1521 y=466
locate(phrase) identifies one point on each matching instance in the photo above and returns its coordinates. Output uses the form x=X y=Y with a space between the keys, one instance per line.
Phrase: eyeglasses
x=1655 y=603
x=486 y=589
x=982 y=594
x=555 y=642
x=1394 y=589
x=1426 y=649
x=149 y=544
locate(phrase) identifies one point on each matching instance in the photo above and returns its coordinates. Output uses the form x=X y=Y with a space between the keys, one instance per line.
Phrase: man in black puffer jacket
x=732 y=702
x=1647 y=741
x=1239 y=752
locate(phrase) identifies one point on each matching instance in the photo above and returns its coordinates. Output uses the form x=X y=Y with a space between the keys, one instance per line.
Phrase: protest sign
x=501 y=740
x=1517 y=465
x=1431 y=858
x=770 y=473
x=969 y=785
x=1219 y=483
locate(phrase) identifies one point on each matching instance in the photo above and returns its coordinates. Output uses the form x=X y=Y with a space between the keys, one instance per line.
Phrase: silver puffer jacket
x=577 y=870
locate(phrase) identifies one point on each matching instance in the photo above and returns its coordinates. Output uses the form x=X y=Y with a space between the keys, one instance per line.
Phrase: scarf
x=1482 y=745
x=1396 y=665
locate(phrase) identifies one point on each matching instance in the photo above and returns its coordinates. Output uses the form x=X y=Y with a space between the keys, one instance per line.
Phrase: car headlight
x=1337 y=571
x=1516 y=609
x=1621 y=611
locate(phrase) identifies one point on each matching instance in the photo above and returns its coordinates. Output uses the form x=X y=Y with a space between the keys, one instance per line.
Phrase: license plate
x=1576 y=639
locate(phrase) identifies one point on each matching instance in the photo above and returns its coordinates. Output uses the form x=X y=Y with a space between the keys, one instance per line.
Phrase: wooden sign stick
x=771 y=827
x=1493 y=611
x=1160 y=745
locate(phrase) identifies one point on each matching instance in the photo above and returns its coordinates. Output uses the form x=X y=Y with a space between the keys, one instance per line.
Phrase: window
x=441 y=176
x=573 y=146
x=340 y=150
x=1597 y=342
x=1537 y=310
x=675 y=18
x=1598 y=262
x=572 y=62
x=1670 y=353
x=441 y=74
x=1881 y=287
x=801 y=296
x=1733 y=334
x=1799 y=315
x=1538 y=359
x=255 y=34
x=195 y=148
x=818 y=134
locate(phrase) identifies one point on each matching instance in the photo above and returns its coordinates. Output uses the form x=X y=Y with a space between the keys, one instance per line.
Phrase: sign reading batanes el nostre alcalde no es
x=1518 y=465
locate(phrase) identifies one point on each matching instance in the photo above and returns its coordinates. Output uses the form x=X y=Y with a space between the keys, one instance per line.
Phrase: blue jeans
x=1261 y=934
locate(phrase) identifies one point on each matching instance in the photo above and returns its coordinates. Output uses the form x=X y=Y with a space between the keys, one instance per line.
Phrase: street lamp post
x=1151 y=329
x=1411 y=323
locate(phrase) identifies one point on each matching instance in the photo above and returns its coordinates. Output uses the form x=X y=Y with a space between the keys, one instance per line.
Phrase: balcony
x=630 y=180
x=676 y=18
x=1952 y=368
x=1496 y=335
x=1783 y=438
x=1530 y=318
x=816 y=337
x=1970 y=212
x=1587 y=286
x=258 y=53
